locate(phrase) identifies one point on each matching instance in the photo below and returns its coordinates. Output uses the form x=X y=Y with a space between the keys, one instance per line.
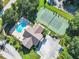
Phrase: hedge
x=60 y=12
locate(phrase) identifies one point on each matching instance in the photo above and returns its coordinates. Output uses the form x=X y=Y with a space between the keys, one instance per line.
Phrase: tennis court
x=53 y=21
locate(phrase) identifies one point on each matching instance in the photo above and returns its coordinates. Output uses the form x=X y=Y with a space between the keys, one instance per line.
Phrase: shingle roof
x=29 y=38
x=27 y=42
x=32 y=36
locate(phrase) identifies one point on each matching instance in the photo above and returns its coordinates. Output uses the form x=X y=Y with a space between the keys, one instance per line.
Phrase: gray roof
x=32 y=36
x=27 y=42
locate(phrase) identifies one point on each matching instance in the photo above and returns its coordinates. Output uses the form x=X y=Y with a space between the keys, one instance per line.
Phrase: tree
x=65 y=55
x=1 y=5
x=75 y=22
x=1 y=23
x=71 y=40
x=9 y=15
x=74 y=47
x=1 y=36
x=27 y=8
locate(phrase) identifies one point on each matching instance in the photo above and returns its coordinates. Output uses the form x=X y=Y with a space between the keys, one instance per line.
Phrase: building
x=29 y=36
x=32 y=36
x=53 y=21
x=49 y=48
x=19 y=27
x=56 y=3
x=52 y=2
x=65 y=5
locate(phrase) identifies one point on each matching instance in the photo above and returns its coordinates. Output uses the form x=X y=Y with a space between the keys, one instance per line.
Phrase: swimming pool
x=19 y=28
x=22 y=24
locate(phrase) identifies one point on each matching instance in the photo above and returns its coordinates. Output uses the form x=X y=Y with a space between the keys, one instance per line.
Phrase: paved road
x=8 y=5
x=9 y=52
x=13 y=52
x=6 y=55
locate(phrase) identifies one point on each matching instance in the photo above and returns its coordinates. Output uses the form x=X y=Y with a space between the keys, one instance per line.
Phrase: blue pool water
x=22 y=24
x=19 y=28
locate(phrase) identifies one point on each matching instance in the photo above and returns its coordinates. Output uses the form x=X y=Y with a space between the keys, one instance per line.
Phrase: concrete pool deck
x=18 y=35
x=15 y=30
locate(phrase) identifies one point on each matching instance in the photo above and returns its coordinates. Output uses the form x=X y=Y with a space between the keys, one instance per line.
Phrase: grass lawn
x=34 y=55
x=54 y=9
x=29 y=55
x=41 y=4
x=5 y=2
x=60 y=12
x=0 y=23
x=10 y=39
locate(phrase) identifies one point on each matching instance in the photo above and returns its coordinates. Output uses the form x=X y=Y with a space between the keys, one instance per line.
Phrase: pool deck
x=18 y=35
